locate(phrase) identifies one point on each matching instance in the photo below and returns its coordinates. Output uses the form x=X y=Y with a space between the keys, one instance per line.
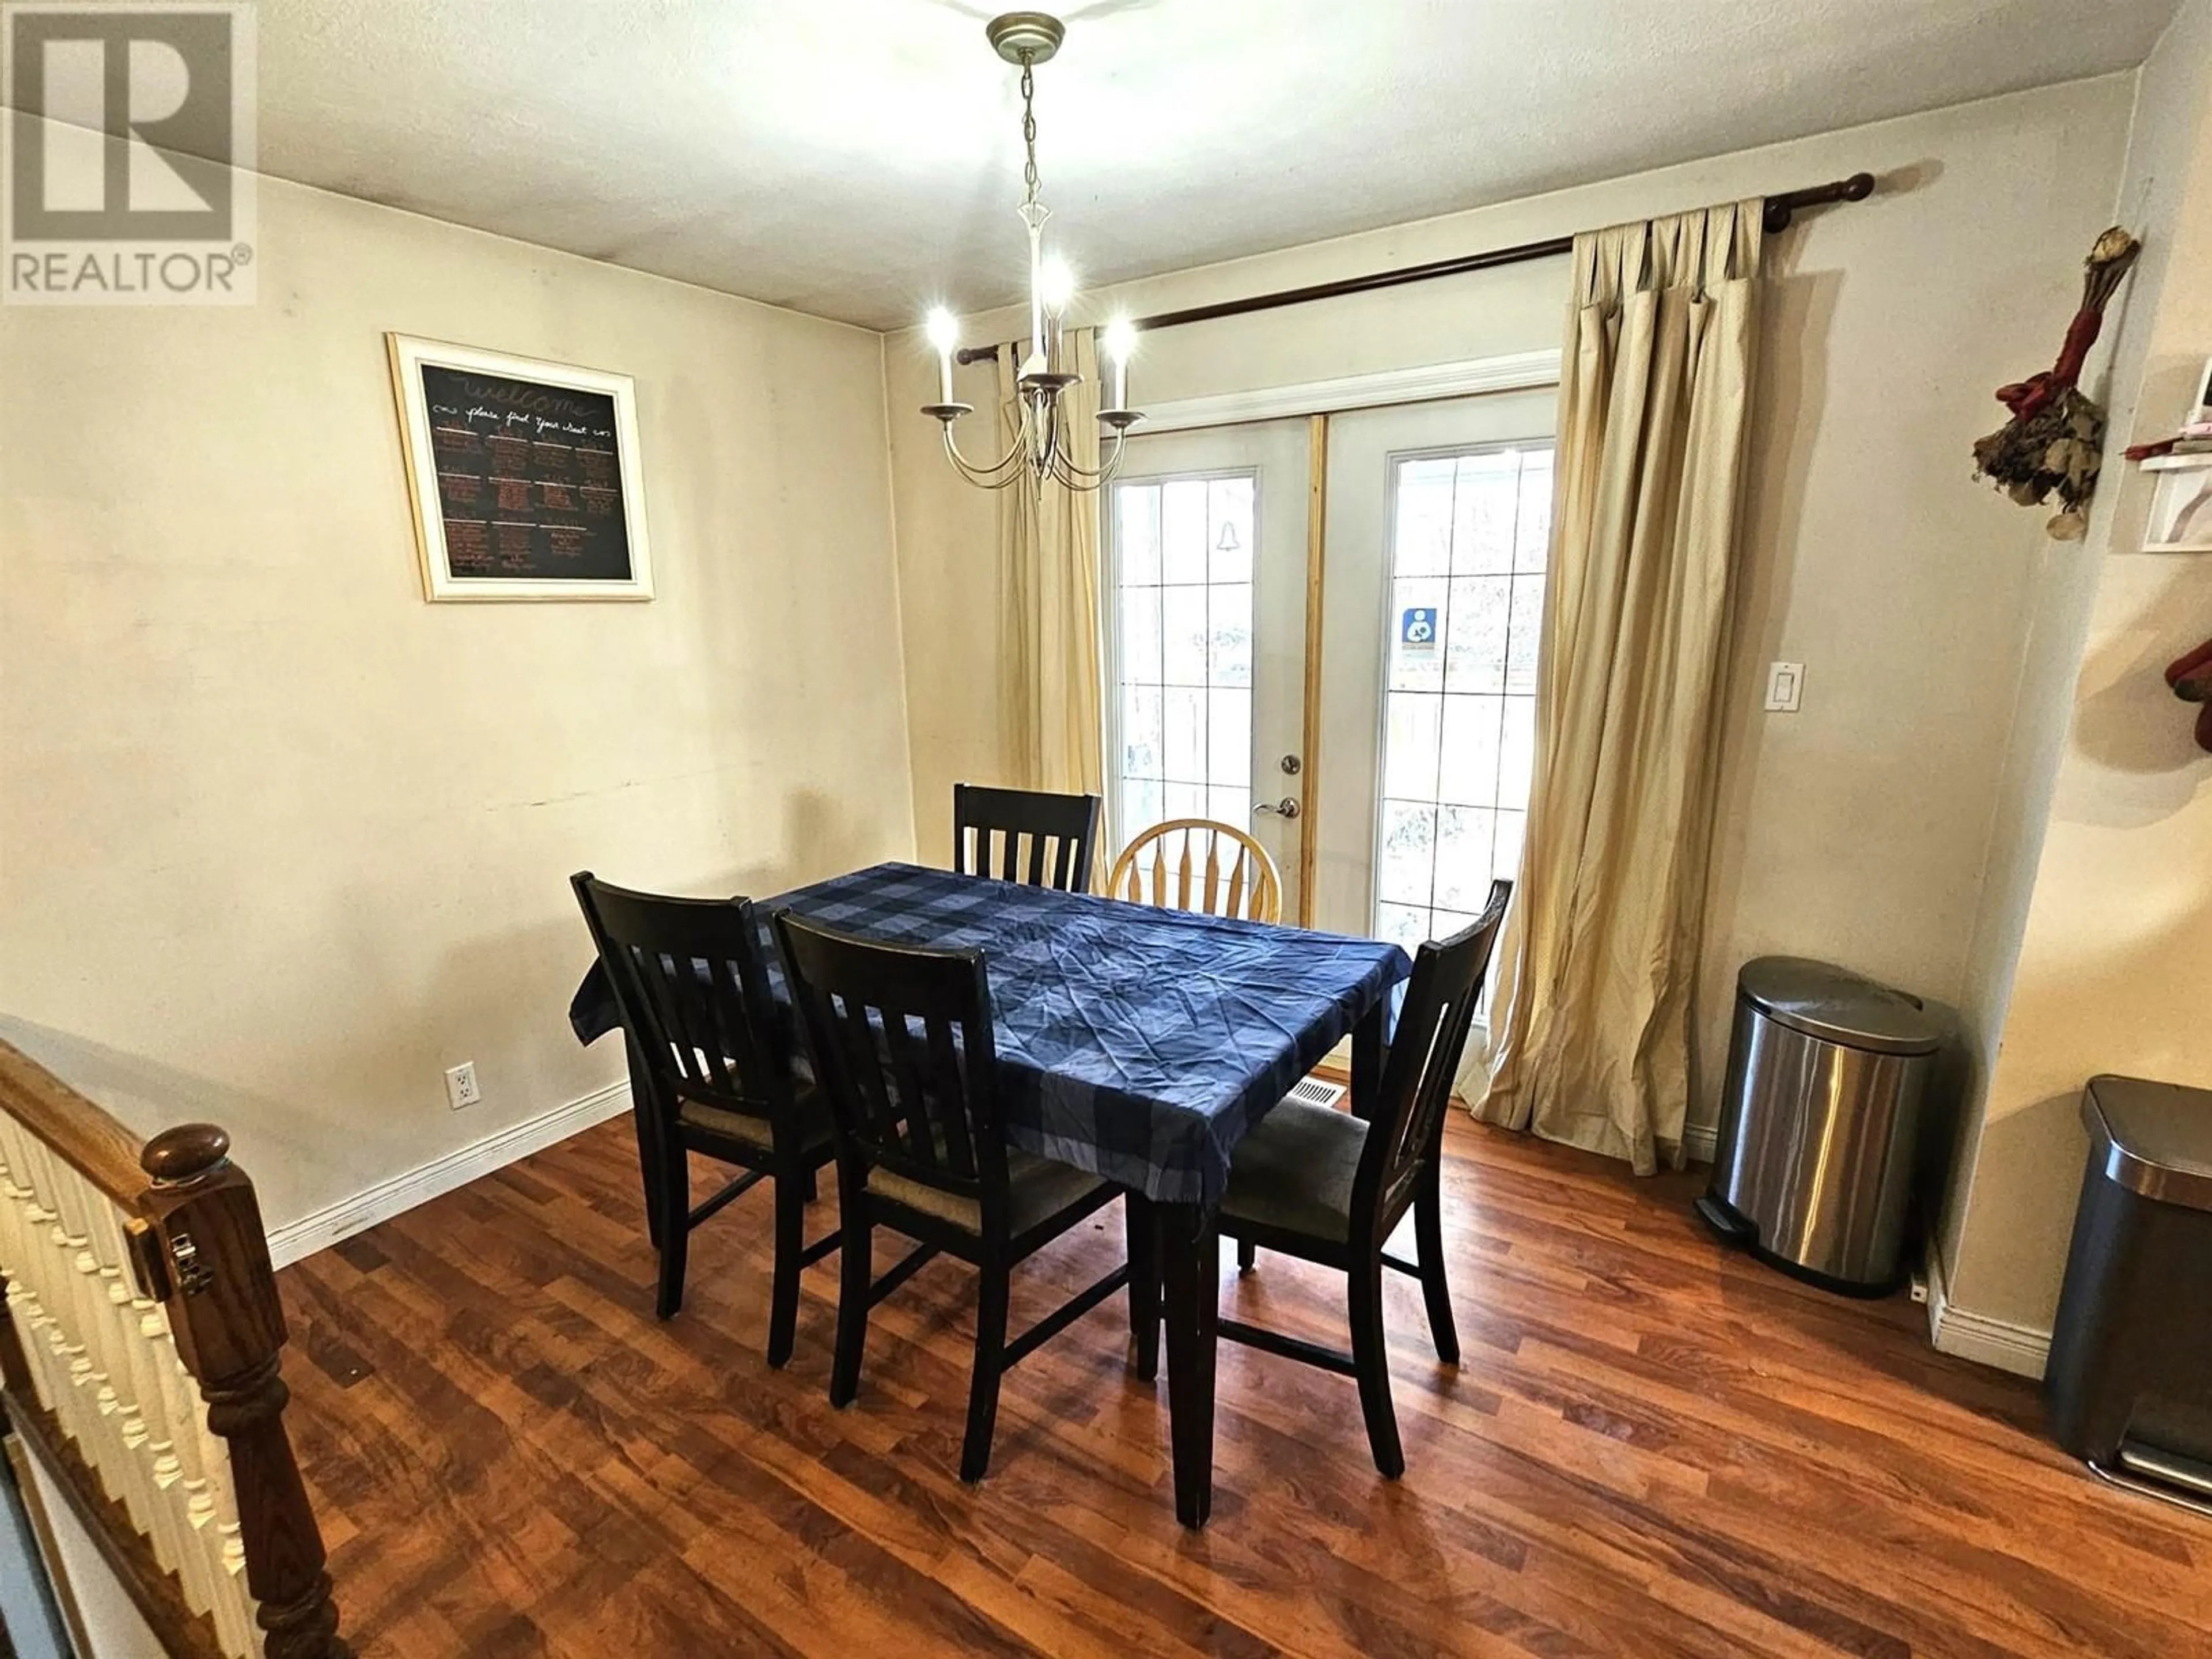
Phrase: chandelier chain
x=1029 y=131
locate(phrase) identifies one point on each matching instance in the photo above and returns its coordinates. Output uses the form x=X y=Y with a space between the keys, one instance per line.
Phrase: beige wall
x=268 y=817
x=1857 y=829
x=2104 y=892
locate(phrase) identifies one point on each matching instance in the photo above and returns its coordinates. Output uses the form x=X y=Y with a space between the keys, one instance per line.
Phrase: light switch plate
x=1785 y=687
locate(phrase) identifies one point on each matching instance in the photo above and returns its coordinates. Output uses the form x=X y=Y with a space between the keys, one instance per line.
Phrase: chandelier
x=1040 y=446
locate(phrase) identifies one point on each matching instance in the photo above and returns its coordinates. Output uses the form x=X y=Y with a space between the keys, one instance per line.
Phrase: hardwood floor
x=1652 y=1448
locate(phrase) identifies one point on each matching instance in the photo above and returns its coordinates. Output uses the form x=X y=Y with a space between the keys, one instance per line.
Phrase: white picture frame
x=501 y=512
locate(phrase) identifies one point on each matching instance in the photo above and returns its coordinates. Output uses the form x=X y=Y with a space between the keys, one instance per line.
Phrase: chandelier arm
x=1105 y=468
x=997 y=476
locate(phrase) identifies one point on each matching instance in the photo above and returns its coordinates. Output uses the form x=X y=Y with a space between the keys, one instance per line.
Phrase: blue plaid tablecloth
x=1137 y=1043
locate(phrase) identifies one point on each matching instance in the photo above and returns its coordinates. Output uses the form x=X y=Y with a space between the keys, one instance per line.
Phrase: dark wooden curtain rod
x=1780 y=210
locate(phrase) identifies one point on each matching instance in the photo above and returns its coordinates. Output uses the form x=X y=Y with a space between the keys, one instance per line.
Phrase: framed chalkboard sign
x=523 y=476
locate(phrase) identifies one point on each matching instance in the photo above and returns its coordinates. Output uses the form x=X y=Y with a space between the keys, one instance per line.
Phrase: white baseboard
x=2020 y=1349
x=326 y=1227
x=1699 y=1141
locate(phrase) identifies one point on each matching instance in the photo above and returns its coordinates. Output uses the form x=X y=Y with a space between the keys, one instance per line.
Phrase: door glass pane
x=1182 y=560
x=1469 y=535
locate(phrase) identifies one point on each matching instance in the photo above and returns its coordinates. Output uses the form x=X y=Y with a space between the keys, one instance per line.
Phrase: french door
x=1422 y=686
x=1205 y=562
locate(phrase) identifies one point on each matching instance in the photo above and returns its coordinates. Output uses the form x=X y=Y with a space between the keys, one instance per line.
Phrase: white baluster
x=234 y=1609
x=191 y=1505
x=214 y=1463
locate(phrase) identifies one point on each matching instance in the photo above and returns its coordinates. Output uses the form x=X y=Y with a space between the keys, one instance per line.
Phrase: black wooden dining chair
x=901 y=1041
x=1329 y=1188
x=718 y=1061
x=1044 y=840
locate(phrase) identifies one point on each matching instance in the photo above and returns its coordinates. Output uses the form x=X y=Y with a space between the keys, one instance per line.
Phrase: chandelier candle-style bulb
x=945 y=335
x=1119 y=342
x=1055 y=287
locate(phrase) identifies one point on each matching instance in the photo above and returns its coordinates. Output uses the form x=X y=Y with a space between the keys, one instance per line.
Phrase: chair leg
x=790 y=1245
x=1248 y=1255
x=1429 y=1239
x=990 y=1356
x=855 y=1253
x=649 y=1157
x=1373 y=1361
x=675 y=1185
x=810 y=1186
x=1143 y=1230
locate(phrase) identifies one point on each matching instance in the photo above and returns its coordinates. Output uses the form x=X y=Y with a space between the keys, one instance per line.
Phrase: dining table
x=1137 y=1043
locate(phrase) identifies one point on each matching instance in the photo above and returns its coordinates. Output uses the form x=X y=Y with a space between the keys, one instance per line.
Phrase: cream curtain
x=1599 y=958
x=1048 y=692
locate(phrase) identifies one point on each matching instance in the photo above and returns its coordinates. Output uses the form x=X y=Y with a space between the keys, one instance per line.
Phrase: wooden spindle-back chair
x=140 y=1359
x=1199 y=863
x=1030 y=835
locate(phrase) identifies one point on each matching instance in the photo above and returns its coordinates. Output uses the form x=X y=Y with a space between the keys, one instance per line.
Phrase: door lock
x=1292 y=765
x=1287 y=807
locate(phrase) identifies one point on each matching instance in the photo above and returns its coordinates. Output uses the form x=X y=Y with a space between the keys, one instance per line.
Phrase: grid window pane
x=1140 y=635
x=1187 y=737
x=1473 y=728
x=1229 y=740
x=1464 y=835
x=1229 y=529
x=1183 y=531
x=1409 y=748
x=1143 y=751
x=1422 y=545
x=1229 y=636
x=1475 y=637
x=1416 y=664
x=1406 y=864
x=1137 y=532
x=1401 y=924
x=1182 y=614
x=1532 y=536
x=1182 y=635
x=1470 y=539
x=1141 y=801
x=1484 y=513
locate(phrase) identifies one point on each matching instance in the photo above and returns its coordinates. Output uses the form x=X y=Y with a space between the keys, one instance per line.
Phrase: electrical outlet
x=461 y=1086
x=1785 y=687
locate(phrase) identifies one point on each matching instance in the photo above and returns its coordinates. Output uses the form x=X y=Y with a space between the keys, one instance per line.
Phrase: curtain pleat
x=1050 y=691
x=1598 y=961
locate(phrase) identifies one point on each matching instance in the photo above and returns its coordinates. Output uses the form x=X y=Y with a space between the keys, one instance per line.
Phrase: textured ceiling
x=860 y=160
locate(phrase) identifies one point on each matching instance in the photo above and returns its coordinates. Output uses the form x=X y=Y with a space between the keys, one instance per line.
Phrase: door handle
x=1287 y=807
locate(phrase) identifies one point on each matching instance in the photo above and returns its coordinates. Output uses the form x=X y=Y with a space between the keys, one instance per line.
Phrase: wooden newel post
x=230 y=1329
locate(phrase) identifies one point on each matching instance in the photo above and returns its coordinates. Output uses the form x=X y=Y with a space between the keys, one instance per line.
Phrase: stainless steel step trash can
x=2130 y=1379
x=1820 y=1122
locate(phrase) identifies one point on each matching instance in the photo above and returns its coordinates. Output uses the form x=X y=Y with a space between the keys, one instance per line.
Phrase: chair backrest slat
x=1060 y=833
x=1417 y=1081
x=691 y=978
x=903 y=1042
x=1186 y=871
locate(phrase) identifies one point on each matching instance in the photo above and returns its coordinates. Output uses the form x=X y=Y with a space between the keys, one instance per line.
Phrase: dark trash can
x=2130 y=1379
